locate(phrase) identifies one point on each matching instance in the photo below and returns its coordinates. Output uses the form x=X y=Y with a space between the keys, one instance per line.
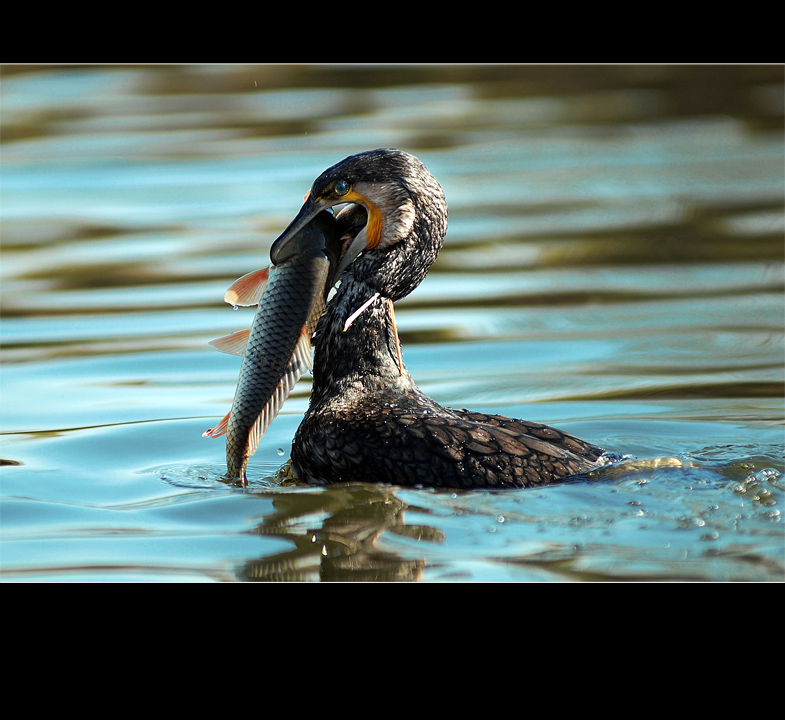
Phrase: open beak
x=290 y=240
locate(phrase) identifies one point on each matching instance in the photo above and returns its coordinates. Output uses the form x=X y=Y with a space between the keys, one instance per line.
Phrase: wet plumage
x=367 y=420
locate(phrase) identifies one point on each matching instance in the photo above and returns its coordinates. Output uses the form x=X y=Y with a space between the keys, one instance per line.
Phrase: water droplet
x=280 y=452
x=235 y=307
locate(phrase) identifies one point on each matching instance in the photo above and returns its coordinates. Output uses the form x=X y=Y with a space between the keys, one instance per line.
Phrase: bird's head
x=396 y=218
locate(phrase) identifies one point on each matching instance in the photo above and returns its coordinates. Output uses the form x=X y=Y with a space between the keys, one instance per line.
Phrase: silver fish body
x=278 y=350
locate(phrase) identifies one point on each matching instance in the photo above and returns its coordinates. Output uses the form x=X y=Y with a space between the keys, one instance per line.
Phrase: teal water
x=613 y=266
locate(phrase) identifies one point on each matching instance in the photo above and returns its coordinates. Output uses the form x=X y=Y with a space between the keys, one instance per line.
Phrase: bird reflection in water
x=334 y=536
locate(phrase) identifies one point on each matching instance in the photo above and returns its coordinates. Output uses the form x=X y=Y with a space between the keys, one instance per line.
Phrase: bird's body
x=367 y=420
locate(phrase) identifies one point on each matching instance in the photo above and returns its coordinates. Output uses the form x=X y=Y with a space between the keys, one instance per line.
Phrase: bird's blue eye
x=341 y=188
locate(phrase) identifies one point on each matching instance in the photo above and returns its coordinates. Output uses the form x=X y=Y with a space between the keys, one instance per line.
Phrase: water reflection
x=334 y=536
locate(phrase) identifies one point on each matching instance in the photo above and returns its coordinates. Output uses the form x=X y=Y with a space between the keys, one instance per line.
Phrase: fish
x=276 y=350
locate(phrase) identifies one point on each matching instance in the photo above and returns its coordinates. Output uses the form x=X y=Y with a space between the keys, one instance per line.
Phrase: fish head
x=318 y=233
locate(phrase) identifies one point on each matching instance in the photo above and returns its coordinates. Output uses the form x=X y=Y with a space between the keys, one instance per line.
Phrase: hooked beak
x=289 y=242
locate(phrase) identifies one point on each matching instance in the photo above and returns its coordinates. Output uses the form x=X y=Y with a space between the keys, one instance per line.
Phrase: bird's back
x=403 y=437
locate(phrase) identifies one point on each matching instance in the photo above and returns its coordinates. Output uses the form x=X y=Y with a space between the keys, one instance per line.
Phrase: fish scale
x=277 y=353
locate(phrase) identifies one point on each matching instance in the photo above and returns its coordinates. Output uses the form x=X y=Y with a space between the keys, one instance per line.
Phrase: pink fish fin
x=302 y=357
x=233 y=344
x=248 y=290
x=219 y=429
x=300 y=363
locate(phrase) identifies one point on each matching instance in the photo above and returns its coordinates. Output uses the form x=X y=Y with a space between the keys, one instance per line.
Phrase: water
x=613 y=266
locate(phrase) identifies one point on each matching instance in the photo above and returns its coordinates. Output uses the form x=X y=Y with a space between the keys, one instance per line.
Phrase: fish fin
x=397 y=339
x=233 y=344
x=300 y=363
x=248 y=290
x=302 y=357
x=359 y=311
x=219 y=429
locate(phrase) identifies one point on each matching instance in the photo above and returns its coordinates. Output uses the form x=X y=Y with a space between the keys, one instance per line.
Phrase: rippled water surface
x=613 y=266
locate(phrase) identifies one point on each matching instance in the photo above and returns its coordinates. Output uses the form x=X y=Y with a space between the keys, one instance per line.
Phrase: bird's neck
x=356 y=344
x=357 y=349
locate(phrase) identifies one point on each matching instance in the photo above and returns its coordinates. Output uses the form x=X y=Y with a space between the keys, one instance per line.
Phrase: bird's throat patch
x=373 y=228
